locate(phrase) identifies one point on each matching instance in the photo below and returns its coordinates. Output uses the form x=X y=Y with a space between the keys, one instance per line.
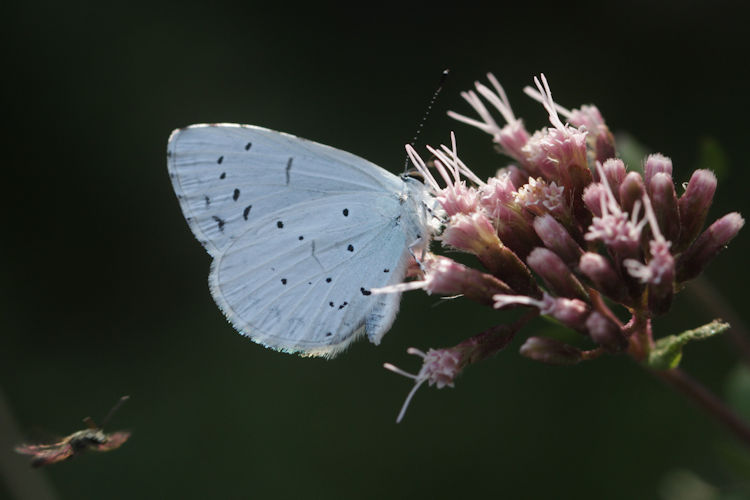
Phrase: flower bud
x=604 y=144
x=515 y=230
x=614 y=171
x=550 y=351
x=599 y=134
x=631 y=190
x=472 y=233
x=476 y=235
x=556 y=238
x=577 y=178
x=499 y=190
x=656 y=163
x=447 y=277
x=694 y=204
x=593 y=196
x=664 y=203
x=605 y=332
x=599 y=270
x=557 y=276
x=570 y=312
x=692 y=262
x=512 y=139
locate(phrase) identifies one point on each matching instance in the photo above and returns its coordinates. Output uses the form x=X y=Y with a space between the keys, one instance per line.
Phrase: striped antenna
x=430 y=104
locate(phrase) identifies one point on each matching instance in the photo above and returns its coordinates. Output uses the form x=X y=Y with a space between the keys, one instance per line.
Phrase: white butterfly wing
x=299 y=233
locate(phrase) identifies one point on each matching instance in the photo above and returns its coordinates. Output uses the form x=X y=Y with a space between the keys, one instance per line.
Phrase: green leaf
x=667 y=351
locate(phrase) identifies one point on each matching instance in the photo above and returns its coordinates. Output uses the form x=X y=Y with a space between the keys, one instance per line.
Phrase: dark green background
x=103 y=288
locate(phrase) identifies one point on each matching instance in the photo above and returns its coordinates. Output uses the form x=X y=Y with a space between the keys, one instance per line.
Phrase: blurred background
x=103 y=288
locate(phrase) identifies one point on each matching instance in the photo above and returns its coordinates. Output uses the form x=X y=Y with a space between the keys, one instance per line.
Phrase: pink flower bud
x=694 y=205
x=550 y=351
x=614 y=171
x=603 y=140
x=631 y=190
x=605 y=332
x=656 y=163
x=514 y=228
x=472 y=233
x=664 y=203
x=445 y=276
x=557 y=276
x=593 y=197
x=512 y=139
x=458 y=199
x=692 y=262
x=499 y=190
x=557 y=239
x=599 y=270
x=475 y=234
x=570 y=312
x=440 y=367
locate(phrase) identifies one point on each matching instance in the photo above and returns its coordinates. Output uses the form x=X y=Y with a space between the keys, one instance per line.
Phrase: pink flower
x=511 y=137
x=440 y=367
x=456 y=197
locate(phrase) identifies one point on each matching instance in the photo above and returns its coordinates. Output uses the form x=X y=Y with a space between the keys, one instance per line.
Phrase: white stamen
x=396 y=369
x=400 y=287
x=502 y=300
x=548 y=103
x=534 y=94
x=421 y=167
x=501 y=92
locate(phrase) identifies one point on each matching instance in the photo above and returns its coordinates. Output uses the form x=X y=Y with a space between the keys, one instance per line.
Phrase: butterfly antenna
x=114 y=409
x=443 y=78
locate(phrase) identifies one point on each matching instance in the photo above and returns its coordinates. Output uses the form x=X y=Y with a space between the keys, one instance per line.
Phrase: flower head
x=439 y=368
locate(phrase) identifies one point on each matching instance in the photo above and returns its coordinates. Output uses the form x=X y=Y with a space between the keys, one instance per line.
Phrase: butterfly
x=299 y=232
x=91 y=438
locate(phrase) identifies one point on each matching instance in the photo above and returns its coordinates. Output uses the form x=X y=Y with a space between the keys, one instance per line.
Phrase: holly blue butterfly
x=299 y=233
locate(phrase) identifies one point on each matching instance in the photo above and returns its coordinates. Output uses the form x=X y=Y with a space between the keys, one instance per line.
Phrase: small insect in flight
x=92 y=438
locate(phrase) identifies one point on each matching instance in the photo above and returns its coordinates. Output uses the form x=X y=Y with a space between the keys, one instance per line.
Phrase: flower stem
x=702 y=397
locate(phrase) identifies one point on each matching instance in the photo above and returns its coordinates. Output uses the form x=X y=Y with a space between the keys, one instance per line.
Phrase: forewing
x=225 y=175
x=46 y=454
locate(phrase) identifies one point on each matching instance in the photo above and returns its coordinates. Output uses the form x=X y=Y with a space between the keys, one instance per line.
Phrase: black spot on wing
x=330 y=304
x=346 y=212
x=246 y=212
x=279 y=224
x=236 y=194
x=343 y=305
x=328 y=280
x=220 y=222
x=283 y=281
x=223 y=175
x=248 y=146
x=350 y=248
x=220 y=160
x=365 y=292
x=301 y=238
x=208 y=201
x=288 y=168
x=386 y=270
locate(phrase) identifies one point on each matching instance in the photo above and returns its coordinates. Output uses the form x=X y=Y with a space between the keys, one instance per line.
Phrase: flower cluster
x=565 y=230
